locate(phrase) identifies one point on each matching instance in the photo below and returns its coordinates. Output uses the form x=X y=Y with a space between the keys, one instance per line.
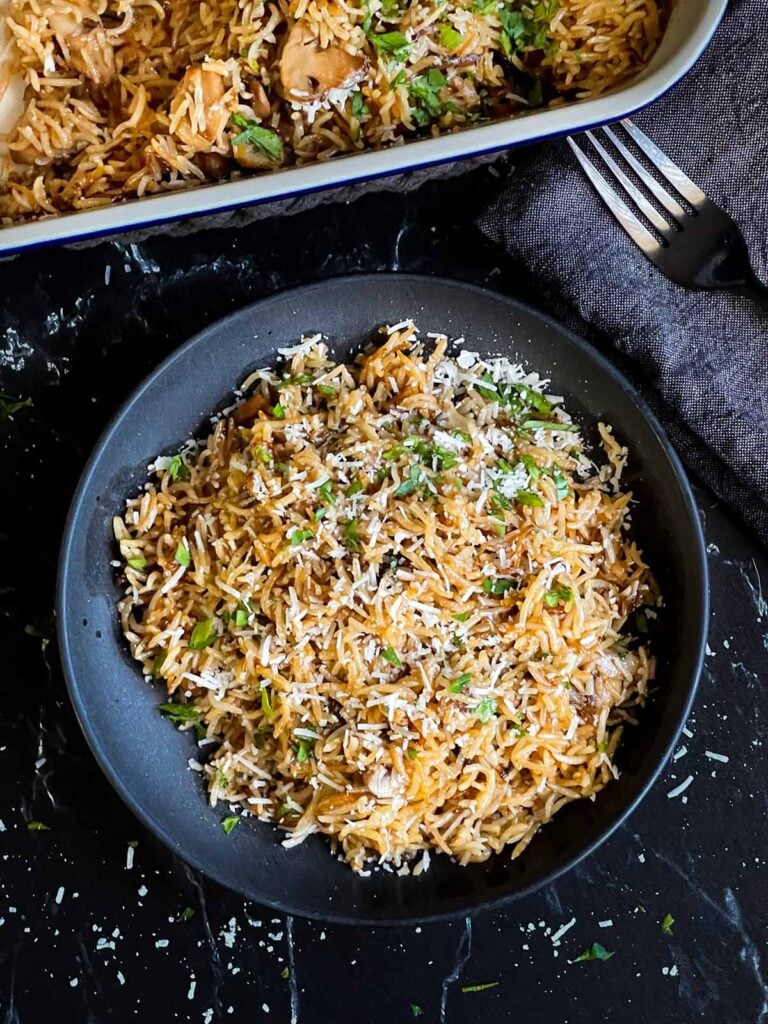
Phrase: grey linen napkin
x=701 y=358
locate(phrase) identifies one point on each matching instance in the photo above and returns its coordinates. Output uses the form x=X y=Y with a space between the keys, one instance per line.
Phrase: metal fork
x=692 y=241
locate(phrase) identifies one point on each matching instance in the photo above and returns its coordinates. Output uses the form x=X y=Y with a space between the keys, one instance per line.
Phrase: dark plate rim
x=699 y=570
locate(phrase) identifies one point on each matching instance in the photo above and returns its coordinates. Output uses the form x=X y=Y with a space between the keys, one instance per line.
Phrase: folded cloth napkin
x=701 y=358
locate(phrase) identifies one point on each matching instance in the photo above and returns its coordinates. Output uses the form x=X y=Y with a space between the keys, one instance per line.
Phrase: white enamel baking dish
x=691 y=26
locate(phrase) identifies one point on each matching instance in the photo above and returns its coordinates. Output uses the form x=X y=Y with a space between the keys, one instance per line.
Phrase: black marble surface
x=100 y=922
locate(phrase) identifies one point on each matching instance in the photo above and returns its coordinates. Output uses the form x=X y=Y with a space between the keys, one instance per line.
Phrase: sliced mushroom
x=309 y=71
x=382 y=782
x=199 y=96
x=260 y=101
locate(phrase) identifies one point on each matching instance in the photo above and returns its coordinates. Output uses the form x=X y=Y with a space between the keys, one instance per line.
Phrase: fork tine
x=637 y=231
x=634 y=193
x=667 y=201
x=677 y=178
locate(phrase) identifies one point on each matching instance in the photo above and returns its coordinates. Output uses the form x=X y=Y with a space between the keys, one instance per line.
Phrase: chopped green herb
x=320 y=513
x=354 y=488
x=285 y=973
x=180 y=714
x=558 y=595
x=38 y=826
x=411 y=484
x=534 y=472
x=298 y=536
x=137 y=563
x=561 y=482
x=282 y=468
x=666 y=924
x=42 y=629
x=158 y=663
x=499 y=501
x=499 y=529
x=203 y=635
x=178 y=469
x=498 y=586
x=460 y=682
x=390 y=654
x=325 y=493
x=641 y=622
x=262 y=455
x=425 y=89
x=486 y=709
x=133 y=843
x=326 y=389
x=595 y=952
x=349 y=534
x=503 y=465
x=412 y=753
x=485 y=6
x=278 y=412
x=461 y=616
x=358 y=105
x=266 y=703
x=303 y=751
x=301 y=380
x=394 y=43
x=230 y=823
x=399 y=79
x=529 y=498
x=479 y=988
x=187 y=914
x=242 y=614
x=416 y=1010
x=182 y=555
x=262 y=139
x=449 y=37
x=602 y=746
x=9 y=405
x=547 y=425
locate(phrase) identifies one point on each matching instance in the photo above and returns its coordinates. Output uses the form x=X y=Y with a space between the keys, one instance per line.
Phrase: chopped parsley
x=262 y=455
x=38 y=826
x=325 y=493
x=354 y=488
x=459 y=683
x=263 y=139
x=547 y=425
x=285 y=973
x=180 y=714
x=137 y=563
x=449 y=37
x=424 y=91
x=461 y=616
x=187 y=914
x=486 y=709
x=278 y=412
x=558 y=595
x=158 y=663
x=529 y=498
x=242 y=613
x=602 y=746
x=230 y=823
x=534 y=472
x=416 y=1010
x=349 y=534
x=303 y=751
x=595 y=952
x=561 y=482
x=182 y=555
x=301 y=379
x=266 y=703
x=411 y=484
x=393 y=43
x=178 y=469
x=479 y=988
x=412 y=753
x=298 y=536
x=498 y=586
x=9 y=405
x=203 y=635
x=390 y=654
x=641 y=622
x=518 y=398
x=358 y=108
x=326 y=389
x=666 y=924
x=522 y=32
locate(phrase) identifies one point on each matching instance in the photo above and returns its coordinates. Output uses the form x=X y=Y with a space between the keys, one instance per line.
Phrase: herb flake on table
x=666 y=924
x=466 y=989
x=38 y=826
x=9 y=405
x=230 y=823
x=595 y=952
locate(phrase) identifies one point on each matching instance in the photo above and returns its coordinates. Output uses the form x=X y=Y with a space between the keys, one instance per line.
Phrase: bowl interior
x=145 y=757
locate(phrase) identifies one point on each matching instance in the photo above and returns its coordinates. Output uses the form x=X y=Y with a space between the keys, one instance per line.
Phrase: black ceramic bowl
x=145 y=757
